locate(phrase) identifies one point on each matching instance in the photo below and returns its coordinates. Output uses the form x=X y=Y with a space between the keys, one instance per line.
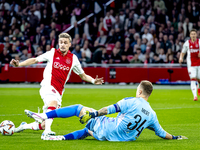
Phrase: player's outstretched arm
x=171 y=137
x=159 y=131
x=181 y=58
x=88 y=78
x=27 y=62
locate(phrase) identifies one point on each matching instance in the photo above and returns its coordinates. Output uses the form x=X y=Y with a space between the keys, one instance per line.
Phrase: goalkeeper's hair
x=147 y=87
x=65 y=35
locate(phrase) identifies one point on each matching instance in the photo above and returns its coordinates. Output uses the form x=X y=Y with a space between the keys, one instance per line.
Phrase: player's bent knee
x=90 y=132
x=43 y=125
x=84 y=109
x=53 y=103
x=82 y=112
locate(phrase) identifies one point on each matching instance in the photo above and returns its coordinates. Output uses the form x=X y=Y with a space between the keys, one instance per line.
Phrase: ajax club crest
x=68 y=61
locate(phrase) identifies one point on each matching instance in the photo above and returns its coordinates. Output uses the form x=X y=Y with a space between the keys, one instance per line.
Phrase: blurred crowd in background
x=129 y=31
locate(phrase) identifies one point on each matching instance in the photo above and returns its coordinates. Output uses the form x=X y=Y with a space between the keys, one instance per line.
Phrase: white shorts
x=48 y=94
x=194 y=72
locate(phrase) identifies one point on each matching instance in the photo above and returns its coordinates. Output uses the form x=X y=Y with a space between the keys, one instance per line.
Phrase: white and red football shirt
x=59 y=67
x=192 y=49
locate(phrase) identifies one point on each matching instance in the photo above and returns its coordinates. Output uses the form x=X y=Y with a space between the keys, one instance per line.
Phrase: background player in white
x=135 y=114
x=60 y=63
x=193 y=60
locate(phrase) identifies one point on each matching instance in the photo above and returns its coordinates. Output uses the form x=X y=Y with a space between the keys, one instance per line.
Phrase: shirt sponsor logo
x=60 y=66
x=194 y=50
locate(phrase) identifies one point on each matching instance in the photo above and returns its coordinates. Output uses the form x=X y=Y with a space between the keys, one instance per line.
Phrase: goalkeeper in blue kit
x=134 y=115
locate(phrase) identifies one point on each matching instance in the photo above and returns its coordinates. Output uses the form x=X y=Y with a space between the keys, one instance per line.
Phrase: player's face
x=193 y=35
x=64 y=44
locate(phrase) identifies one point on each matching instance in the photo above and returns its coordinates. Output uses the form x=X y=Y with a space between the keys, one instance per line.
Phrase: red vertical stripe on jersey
x=194 y=51
x=60 y=69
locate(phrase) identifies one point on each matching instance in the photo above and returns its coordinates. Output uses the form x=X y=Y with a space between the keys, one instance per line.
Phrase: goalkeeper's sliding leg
x=76 y=135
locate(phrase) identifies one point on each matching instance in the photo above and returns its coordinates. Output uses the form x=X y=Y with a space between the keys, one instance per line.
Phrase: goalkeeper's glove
x=85 y=118
x=179 y=137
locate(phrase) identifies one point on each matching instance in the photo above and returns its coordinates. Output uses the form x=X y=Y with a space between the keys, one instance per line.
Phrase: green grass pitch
x=177 y=113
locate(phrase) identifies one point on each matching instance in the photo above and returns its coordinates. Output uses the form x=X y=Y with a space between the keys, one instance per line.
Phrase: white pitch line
x=168 y=108
x=174 y=108
x=11 y=115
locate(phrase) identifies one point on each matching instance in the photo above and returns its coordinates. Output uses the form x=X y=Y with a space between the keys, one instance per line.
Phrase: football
x=7 y=127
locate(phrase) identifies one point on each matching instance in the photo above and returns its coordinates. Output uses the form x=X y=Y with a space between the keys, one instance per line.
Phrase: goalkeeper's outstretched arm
x=89 y=115
x=172 y=137
x=103 y=111
x=159 y=131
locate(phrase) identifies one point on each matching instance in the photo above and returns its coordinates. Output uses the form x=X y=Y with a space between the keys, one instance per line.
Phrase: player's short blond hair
x=146 y=87
x=193 y=30
x=65 y=35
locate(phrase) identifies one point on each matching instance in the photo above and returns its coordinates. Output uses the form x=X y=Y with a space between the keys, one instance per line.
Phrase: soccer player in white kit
x=193 y=60
x=60 y=63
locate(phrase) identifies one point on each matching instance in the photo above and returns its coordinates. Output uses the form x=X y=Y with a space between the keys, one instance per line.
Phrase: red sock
x=51 y=108
x=40 y=127
x=33 y=126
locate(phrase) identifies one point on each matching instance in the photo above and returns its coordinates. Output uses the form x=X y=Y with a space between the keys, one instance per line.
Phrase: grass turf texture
x=177 y=113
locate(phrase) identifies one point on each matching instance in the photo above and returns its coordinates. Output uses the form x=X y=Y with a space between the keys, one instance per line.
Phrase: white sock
x=43 y=115
x=193 y=88
x=33 y=126
x=48 y=122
